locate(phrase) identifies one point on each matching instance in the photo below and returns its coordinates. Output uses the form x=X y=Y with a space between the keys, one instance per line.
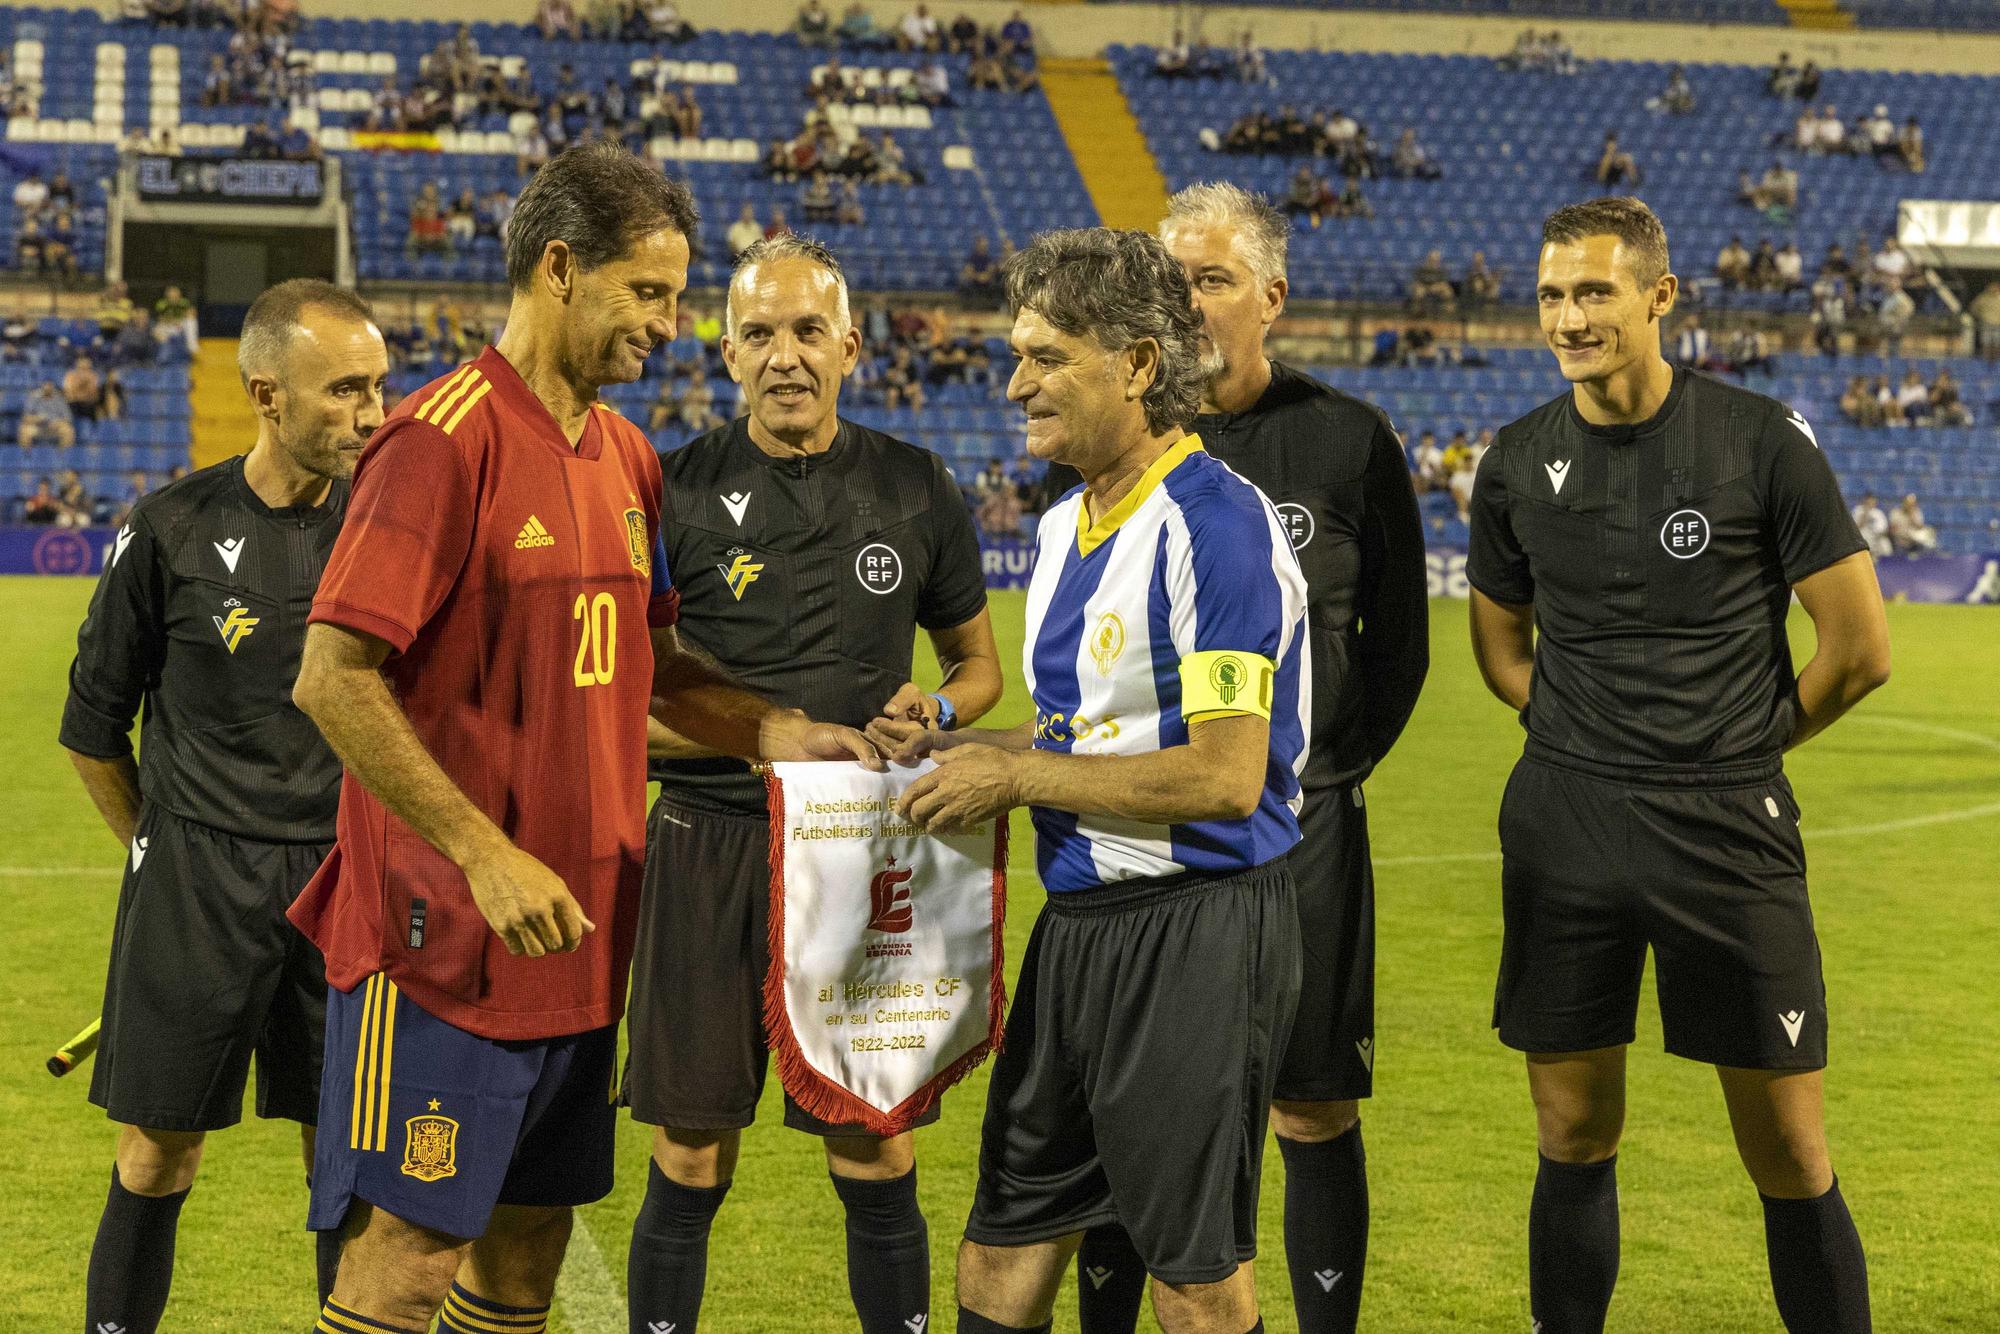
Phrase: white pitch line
x=587 y=1300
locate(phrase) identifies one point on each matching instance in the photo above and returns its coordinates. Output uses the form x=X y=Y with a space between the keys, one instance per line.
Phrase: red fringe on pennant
x=814 y=1091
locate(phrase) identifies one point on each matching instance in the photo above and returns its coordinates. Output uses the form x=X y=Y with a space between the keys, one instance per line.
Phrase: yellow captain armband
x=1216 y=684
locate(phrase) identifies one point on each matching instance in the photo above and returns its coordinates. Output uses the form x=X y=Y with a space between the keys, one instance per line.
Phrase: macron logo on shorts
x=1793 y=1022
x=139 y=851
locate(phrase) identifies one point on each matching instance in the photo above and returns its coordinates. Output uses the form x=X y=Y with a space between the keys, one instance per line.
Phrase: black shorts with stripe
x=1331 y=1056
x=1712 y=877
x=205 y=974
x=1136 y=1080
x=699 y=1054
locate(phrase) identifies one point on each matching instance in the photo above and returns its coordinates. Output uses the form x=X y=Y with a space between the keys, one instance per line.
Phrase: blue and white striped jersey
x=1182 y=601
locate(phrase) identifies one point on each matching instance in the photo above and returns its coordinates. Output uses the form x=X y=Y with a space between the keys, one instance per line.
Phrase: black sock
x=971 y=1322
x=132 y=1260
x=1573 y=1245
x=1818 y=1273
x=888 y=1253
x=1326 y=1229
x=1110 y=1281
x=668 y=1265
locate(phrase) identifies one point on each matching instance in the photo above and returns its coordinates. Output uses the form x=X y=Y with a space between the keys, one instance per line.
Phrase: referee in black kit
x=1653 y=525
x=198 y=619
x=807 y=550
x=1335 y=469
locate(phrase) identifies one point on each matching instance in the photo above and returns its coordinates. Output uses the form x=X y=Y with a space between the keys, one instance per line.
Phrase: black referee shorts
x=1712 y=878
x=1331 y=1055
x=205 y=972
x=1135 y=1084
x=699 y=1054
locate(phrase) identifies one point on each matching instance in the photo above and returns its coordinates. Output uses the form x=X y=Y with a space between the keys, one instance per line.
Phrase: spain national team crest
x=430 y=1147
x=635 y=540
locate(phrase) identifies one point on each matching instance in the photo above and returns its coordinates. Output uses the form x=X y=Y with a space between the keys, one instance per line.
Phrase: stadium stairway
x=1103 y=136
x=223 y=422
x=1822 y=14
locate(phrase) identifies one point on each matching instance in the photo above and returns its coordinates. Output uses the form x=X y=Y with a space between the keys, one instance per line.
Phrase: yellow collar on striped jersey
x=1090 y=536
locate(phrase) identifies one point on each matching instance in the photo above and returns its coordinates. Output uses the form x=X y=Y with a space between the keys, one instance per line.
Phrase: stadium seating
x=1513 y=146
x=1655 y=11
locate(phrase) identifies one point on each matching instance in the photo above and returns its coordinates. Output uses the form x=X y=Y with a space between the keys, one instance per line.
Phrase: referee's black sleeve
x=1495 y=564
x=1810 y=522
x=1394 y=603
x=956 y=590
x=118 y=650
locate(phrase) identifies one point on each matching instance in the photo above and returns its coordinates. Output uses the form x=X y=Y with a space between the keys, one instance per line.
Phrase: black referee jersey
x=199 y=619
x=808 y=577
x=1335 y=469
x=1659 y=559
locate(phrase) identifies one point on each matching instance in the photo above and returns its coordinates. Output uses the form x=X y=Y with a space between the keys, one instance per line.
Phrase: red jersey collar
x=524 y=406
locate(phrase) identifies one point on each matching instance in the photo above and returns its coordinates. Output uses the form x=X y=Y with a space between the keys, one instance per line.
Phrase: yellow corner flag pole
x=76 y=1051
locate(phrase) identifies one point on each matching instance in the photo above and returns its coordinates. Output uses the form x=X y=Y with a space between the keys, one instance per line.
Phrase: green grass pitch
x=1902 y=809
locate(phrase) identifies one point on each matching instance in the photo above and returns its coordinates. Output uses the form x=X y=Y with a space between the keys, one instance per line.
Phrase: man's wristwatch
x=947 y=716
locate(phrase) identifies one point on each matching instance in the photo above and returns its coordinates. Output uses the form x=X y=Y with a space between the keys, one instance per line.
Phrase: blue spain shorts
x=438 y=1125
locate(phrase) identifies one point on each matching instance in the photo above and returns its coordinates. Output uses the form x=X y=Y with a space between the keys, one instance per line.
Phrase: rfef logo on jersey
x=889 y=907
x=235 y=627
x=741 y=572
x=1298 y=521
x=879 y=568
x=1685 y=534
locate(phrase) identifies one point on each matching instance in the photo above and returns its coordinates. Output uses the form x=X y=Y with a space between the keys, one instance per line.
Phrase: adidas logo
x=533 y=535
x=1328 y=1277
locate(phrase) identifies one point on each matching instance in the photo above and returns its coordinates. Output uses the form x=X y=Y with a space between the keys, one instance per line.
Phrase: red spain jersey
x=513 y=578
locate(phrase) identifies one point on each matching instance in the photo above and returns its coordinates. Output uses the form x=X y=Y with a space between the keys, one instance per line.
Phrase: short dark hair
x=597 y=199
x=1623 y=216
x=277 y=313
x=1118 y=287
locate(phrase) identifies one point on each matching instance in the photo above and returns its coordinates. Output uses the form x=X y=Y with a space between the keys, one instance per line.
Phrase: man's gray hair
x=790 y=246
x=276 y=316
x=1262 y=234
x=1118 y=288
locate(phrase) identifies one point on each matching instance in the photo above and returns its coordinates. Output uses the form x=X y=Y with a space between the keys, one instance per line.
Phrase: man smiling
x=1653 y=524
x=1167 y=658
x=808 y=550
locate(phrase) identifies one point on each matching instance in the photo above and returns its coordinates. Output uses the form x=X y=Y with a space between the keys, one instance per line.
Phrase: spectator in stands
x=1174 y=60
x=814 y=25
x=1615 y=166
x=83 y=389
x=137 y=484
x=698 y=412
x=1908 y=531
x=532 y=151
x=1411 y=160
x=1017 y=64
x=1430 y=285
x=1778 y=188
x=1427 y=464
x=918 y=31
x=1418 y=347
x=31 y=194
x=1732 y=264
x=461 y=221
x=895 y=168
x=901 y=381
x=932 y=85
x=1783 y=78
x=1248 y=63
x=297 y=144
x=1561 y=55
x=1000 y=511
x=114 y=311
x=1017 y=31
x=664 y=408
x=848 y=212
x=1749 y=350
x=218 y=86
x=1805 y=131
x=1858 y=403
x=1763 y=267
x=59 y=249
x=665 y=24
x=75 y=501
x=1481 y=285
x=1985 y=311
x=558 y=18
x=134 y=345
x=427 y=235
x=1892 y=317
x=1878 y=132
x=1350 y=203
x=858 y=28
x=1829 y=314
x=45 y=418
x=1807 y=88
x=1911 y=144
x=1947 y=406
x=1913 y=399
x=1874 y=526
x=816 y=200
x=1691 y=344
x=111 y=407
x=31 y=247
x=979 y=275
x=1790 y=267
x=1833 y=132
x=1677 y=98
x=992 y=478
x=1891 y=262
x=43 y=507
x=986 y=73
x=745 y=232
